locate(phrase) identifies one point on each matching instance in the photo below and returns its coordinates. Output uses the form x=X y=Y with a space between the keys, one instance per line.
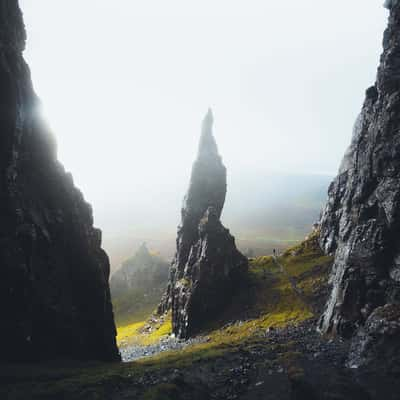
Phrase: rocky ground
x=289 y=363
x=266 y=346
x=169 y=343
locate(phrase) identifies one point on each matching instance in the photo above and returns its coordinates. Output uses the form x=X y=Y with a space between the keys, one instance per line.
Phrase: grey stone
x=207 y=266
x=360 y=224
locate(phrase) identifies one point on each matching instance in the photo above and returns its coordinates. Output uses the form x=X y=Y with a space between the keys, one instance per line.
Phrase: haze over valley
x=188 y=210
x=151 y=85
x=275 y=214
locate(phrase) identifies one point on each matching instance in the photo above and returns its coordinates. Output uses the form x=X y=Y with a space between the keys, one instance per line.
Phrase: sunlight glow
x=125 y=85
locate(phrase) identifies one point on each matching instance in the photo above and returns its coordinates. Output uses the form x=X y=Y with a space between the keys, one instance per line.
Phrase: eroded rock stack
x=54 y=293
x=143 y=271
x=207 y=266
x=361 y=222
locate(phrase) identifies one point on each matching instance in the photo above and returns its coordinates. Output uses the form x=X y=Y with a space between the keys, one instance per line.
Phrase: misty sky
x=125 y=85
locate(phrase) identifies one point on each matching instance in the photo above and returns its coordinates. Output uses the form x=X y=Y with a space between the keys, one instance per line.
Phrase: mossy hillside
x=136 y=288
x=273 y=303
x=309 y=267
x=145 y=333
x=136 y=305
x=305 y=256
x=126 y=333
x=266 y=301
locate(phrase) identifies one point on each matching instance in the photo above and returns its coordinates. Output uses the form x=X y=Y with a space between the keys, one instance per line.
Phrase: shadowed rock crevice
x=207 y=266
x=54 y=293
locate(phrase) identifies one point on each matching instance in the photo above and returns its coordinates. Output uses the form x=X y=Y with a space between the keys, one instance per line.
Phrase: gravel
x=135 y=352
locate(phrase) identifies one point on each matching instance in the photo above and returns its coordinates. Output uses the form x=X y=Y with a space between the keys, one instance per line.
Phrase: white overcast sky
x=125 y=84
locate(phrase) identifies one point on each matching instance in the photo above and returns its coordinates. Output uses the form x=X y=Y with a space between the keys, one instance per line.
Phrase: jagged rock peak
x=54 y=292
x=360 y=224
x=12 y=28
x=207 y=186
x=389 y=4
x=207 y=266
x=207 y=146
x=143 y=250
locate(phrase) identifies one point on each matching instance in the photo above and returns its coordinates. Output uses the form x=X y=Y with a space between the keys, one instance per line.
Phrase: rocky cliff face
x=207 y=265
x=361 y=222
x=54 y=294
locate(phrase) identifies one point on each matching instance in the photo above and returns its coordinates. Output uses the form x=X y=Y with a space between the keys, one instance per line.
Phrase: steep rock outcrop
x=377 y=342
x=361 y=222
x=54 y=293
x=207 y=265
x=143 y=270
x=137 y=286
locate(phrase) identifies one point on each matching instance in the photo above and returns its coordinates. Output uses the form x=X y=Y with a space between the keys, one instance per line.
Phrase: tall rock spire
x=207 y=146
x=208 y=178
x=207 y=266
x=54 y=293
x=361 y=221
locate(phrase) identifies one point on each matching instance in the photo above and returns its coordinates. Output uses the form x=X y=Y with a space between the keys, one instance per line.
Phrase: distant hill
x=263 y=210
x=273 y=210
x=137 y=286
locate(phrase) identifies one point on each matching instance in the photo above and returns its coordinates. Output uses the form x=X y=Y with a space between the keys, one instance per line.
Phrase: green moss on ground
x=266 y=301
x=163 y=391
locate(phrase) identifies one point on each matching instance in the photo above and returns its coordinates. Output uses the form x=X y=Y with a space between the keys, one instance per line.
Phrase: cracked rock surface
x=361 y=222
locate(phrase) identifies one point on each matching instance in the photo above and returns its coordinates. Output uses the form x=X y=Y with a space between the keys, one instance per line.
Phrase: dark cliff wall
x=54 y=293
x=207 y=265
x=361 y=222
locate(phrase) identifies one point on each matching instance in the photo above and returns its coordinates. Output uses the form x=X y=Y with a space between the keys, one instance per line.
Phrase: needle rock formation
x=207 y=266
x=361 y=222
x=54 y=293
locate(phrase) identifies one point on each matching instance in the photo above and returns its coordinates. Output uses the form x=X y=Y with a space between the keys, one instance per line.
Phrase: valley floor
x=265 y=346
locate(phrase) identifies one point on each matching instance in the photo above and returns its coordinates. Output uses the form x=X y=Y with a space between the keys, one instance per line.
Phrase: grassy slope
x=266 y=301
x=147 y=274
x=134 y=307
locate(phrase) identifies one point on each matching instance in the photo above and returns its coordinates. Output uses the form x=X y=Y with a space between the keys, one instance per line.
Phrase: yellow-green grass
x=127 y=333
x=138 y=313
x=135 y=334
x=304 y=257
x=269 y=297
x=273 y=303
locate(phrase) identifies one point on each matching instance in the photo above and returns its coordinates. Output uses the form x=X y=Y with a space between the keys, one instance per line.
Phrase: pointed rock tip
x=143 y=249
x=208 y=120
x=207 y=142
x=389 y=4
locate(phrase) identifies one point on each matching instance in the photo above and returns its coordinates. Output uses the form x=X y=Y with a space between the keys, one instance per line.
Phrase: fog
x=125 y=85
